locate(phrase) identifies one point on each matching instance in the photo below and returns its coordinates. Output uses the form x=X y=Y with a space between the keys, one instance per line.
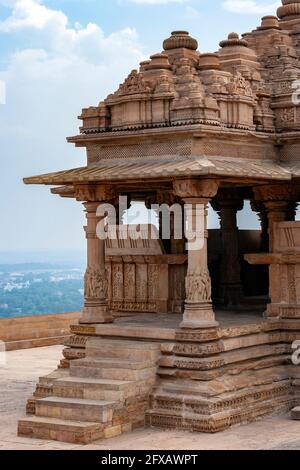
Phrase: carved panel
x=142 y=282
x=117 y=281
x=153 y=280
x=129 y=281
x=198 y=286
x=96 y=284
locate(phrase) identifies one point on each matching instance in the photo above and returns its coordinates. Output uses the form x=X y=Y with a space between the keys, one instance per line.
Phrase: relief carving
x=134 y=84
x=198 y=286
x=96 y=284
x=239 y=86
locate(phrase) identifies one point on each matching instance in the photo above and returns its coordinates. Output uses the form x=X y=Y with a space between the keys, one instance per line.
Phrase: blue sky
x=57 y=56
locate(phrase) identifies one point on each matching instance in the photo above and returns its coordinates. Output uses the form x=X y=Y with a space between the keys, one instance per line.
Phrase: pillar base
x=197 y=316
x=96 y=314
x=286 y=311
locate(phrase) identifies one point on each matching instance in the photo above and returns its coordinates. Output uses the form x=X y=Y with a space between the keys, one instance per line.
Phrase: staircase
x=106 y=394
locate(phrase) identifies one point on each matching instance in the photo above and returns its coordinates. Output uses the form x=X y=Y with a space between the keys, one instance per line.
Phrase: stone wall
x=36 y=331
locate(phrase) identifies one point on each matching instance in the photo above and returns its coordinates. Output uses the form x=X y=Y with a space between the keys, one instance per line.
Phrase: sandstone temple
x=169 y=337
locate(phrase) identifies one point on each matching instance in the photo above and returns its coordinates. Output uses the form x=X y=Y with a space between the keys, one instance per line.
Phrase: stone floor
x=167 y=321
x=19 y=376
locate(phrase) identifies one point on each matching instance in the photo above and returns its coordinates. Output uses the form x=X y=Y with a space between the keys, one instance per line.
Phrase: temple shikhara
x=169 y=337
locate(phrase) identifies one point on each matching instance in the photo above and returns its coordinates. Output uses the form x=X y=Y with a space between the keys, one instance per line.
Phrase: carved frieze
x=198 y=350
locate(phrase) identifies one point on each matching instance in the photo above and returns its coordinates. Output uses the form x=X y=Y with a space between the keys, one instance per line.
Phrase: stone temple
x=172 y=337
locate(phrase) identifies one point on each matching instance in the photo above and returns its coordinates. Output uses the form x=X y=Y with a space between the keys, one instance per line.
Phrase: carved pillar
x=262 y=213
x=280 y=202
x=175 y=245
x=95 y=280
x=198 y=305
x=227 y=205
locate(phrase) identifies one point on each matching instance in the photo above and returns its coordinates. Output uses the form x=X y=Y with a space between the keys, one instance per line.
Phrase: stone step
x=93 y=389
x=112 y=363
x=103 y=348
x=295 y=413
x=112 y=369
x=75 y=409
x=60 y=430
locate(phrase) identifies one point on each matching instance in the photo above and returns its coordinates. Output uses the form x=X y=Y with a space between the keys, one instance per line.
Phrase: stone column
x=262 y=213
x=95 y=281
x=227 y=205
x=196 y=195
x=280 y=202
x=175 y=246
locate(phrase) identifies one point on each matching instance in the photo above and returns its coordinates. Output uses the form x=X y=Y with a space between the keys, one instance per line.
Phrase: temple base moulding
x=283 y=311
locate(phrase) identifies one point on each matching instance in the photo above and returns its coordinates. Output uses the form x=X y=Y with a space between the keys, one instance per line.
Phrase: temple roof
x=243 y=95
x=117 y=170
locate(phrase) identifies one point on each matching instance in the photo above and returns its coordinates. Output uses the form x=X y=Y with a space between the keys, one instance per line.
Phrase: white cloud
x=250 y=7
x=192 y=13
x=67 y=67
x=32 y=14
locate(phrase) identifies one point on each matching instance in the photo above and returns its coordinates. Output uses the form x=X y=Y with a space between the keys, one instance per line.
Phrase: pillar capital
x=280 y=201
x=167 y=197
x=228 y=198
x=277 y=192
x=94 y=192
x=204 y=189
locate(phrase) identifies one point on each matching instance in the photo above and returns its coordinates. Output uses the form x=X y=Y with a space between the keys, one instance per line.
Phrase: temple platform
x=163 y=327
x=17 y=382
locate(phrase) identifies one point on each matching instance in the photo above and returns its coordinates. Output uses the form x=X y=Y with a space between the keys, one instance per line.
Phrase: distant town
x=37 y=288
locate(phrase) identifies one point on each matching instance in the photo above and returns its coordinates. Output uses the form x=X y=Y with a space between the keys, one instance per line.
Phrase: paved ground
x=18 y=379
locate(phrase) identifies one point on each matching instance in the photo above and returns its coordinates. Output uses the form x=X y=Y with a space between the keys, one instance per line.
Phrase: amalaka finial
x=233 y=40
x=180 y=39
x=290 y=10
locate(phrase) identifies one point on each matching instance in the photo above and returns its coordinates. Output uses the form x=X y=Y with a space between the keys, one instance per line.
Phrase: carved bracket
x=194 y=188
x=94 y=192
